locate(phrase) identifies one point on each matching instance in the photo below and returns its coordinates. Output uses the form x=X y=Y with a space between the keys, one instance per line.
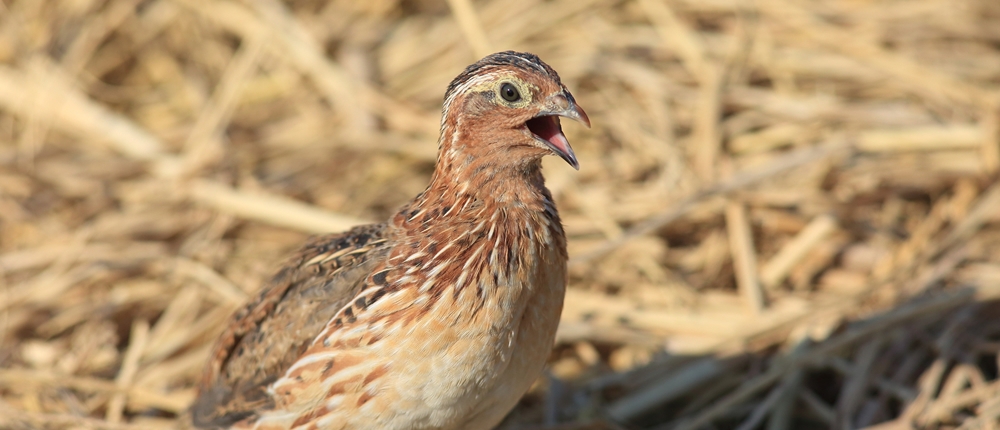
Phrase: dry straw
x=787 y=217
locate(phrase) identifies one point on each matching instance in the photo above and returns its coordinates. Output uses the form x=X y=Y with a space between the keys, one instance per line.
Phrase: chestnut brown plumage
x=439 y=318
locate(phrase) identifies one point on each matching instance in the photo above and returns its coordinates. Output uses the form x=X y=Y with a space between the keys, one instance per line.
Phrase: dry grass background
x=787 y=216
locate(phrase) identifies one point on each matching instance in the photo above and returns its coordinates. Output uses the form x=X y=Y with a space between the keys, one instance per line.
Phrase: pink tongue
x=550 y=131
x=559 y=141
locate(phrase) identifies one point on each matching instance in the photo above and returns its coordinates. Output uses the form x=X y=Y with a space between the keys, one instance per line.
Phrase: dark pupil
x=509 y=93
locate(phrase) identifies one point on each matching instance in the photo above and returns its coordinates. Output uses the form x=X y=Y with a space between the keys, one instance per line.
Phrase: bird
x=439 y=318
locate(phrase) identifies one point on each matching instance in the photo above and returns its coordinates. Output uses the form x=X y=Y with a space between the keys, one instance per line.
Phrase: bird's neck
x=459 y=194
x=478 y=169
x=489 y=180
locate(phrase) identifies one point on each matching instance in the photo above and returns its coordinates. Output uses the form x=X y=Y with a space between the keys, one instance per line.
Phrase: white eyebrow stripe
x=477 y=80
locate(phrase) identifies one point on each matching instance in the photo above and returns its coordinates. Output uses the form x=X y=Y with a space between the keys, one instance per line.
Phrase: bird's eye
x=509 y=92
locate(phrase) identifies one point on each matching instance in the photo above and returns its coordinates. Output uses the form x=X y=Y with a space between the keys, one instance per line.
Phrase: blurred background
x=787 y=214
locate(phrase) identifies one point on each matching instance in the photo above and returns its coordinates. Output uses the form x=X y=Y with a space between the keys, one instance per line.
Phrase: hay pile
x=787 y=216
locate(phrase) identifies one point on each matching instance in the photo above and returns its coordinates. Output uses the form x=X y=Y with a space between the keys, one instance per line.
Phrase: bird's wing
x=265 y=337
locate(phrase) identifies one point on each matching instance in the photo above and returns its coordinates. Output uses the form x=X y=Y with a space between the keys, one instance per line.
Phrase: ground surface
x=787 y=215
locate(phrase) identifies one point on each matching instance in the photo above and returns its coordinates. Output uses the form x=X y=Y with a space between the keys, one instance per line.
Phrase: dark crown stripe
x=522 y=60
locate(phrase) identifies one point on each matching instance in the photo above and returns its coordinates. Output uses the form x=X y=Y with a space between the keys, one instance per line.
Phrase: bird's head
x=505 y=110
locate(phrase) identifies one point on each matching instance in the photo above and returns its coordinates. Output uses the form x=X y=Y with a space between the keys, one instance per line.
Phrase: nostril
x=561 y=101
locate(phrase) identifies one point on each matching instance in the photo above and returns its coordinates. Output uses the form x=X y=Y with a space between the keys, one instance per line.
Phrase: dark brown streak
x=244 y=361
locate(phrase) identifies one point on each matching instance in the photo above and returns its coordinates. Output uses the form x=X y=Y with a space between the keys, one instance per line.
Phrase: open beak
x=546 y=128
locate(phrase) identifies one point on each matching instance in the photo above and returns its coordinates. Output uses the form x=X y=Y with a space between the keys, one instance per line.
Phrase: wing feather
x=325 y=275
